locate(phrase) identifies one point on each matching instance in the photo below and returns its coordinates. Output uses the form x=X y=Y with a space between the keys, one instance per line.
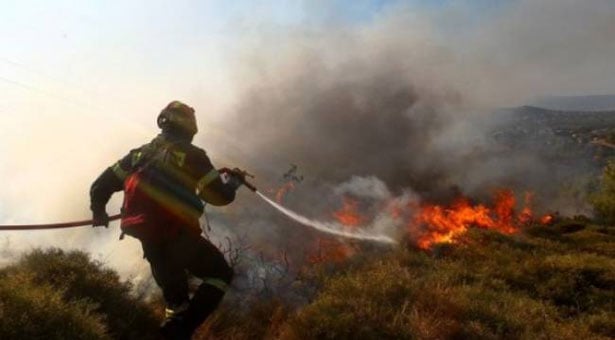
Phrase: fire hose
x=241 y=174
x=54 y=225
x=325 y=227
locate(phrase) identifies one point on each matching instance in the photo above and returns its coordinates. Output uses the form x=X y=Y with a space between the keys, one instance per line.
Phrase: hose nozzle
x=241 y=175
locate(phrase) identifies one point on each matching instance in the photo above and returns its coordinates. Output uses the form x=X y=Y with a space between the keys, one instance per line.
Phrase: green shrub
x=604 y=200
x=487 y=286
x=554 y=282
x=76 y=281
x=39 y=311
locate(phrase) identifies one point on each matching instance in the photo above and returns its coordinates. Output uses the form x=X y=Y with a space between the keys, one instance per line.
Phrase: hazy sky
x=68 y=68
x=122 y=50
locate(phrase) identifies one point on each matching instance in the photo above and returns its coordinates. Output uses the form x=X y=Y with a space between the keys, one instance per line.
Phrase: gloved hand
x=100 y=218
x=233 y=178
x=236 y=178
x=234 y=181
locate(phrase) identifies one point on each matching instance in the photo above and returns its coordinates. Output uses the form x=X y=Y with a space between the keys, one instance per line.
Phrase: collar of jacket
x=171 y=137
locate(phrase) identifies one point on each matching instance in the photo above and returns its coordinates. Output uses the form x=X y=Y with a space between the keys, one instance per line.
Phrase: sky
x=81 y=82
x=87 y=44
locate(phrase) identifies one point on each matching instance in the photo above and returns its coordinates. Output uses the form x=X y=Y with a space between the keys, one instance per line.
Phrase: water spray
x=326 y=227
x=336 y=229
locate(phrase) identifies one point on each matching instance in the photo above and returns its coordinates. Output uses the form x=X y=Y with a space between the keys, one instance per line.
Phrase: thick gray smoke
x=363 y=118
x=409 y=103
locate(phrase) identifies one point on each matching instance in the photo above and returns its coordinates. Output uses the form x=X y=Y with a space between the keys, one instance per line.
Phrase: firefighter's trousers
x=172 y=261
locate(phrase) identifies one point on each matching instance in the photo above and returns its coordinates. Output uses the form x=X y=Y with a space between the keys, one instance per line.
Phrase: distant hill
x=577 y=103
x=536 y=117
x=578 y=138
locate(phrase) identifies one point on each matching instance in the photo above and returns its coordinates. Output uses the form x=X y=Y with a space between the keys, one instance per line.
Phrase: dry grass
x=488 y=286
x=546 y=283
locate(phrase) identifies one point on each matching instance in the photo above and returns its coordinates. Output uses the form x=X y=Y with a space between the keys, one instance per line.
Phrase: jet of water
x=327 y=227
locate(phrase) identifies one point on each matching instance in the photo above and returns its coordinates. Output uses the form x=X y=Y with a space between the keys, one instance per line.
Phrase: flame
x=348 y=215
x=333 y=250
x=436 y=224
x=429 y=224
x=526 y=216
x=546 y=219
x=283 y=190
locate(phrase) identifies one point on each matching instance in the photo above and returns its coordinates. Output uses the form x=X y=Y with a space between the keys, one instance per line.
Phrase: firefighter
x=164 y=184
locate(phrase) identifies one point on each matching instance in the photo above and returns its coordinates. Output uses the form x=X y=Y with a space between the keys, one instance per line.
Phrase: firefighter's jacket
x=164 y=182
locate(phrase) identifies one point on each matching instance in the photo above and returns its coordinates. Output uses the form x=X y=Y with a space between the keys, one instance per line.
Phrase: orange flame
x=332 y=250
x=526 y=216
x=348 y=215
x=283 y=190
x=436 y=224
x=429 y=224
x=546 y=219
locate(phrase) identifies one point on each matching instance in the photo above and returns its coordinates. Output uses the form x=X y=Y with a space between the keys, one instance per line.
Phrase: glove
x=100 y=218
x=233 y=178
x=235 y=181
x=237 y=178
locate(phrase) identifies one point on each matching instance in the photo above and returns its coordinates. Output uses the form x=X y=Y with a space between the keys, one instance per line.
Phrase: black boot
x=202 y=304
x=174 y=327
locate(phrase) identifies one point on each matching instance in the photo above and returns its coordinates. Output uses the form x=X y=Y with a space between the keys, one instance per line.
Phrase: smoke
x=394 y=108
x=368 y=187
x=403 y=108
x=48 y=164
x=410 y=102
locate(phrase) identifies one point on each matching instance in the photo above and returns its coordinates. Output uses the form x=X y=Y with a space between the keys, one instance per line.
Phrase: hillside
x=566 y=136
x=547 y=282
x=555 y=282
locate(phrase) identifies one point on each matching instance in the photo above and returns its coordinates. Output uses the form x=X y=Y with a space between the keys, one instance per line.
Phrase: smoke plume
x=410 y=103
x=407 y=100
